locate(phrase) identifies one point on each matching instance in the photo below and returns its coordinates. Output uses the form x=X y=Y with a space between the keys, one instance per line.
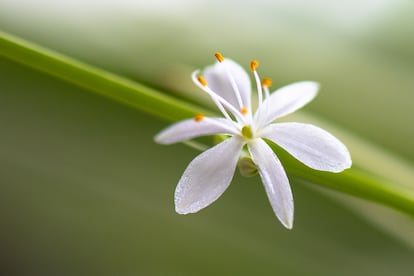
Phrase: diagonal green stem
x=353 y=181
x=94 y=79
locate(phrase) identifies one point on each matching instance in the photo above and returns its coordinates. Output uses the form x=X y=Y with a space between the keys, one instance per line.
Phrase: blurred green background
x=85 y=190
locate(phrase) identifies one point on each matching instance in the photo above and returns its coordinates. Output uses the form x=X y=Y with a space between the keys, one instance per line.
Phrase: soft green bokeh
x=84 y=190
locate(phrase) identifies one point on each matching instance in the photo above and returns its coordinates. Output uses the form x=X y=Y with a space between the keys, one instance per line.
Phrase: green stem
x=356 y=182
x=96 y=80
x=353 y=181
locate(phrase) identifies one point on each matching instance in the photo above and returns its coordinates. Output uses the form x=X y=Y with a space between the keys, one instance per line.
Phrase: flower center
x=247 y=132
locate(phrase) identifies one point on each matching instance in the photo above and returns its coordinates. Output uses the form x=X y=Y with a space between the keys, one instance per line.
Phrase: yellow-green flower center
x=247 y=132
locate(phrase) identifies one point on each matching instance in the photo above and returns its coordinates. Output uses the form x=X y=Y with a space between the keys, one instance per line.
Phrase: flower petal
x=218 y=77
x=188 y=129
x=285 y=101
x=275 y=181
x=207 y=176
x=311 y=145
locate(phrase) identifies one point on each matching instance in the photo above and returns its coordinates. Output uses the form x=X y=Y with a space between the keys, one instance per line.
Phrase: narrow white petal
x=285 y=101
x=188 y=129
x=207 y=176
x=219 y=81
x=311 y=145
x=274 y=180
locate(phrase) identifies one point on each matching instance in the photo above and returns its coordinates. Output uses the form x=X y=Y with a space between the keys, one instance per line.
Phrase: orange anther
x=266 y=82
x=198 y=117
x=253 y=65
x=244 y=110
x=202 y=80
x=219 y=56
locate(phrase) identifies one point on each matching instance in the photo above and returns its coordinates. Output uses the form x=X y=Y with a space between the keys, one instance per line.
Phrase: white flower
x=211 y=172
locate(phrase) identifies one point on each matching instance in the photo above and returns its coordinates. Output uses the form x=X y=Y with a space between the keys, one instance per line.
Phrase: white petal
x=311 y=145
x=189 y=129
x=207 y=176
x=285 y=101
x=218 y=80
x=275 y=181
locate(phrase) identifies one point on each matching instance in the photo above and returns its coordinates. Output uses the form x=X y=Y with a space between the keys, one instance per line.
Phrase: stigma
x=247 y=132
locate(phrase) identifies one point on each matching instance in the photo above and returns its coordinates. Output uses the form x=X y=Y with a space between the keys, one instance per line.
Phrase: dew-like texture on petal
x=274 y=180
x=311 y=145
x=218 y=80
x=285 y=101
x=190 y=128
x=207 y=176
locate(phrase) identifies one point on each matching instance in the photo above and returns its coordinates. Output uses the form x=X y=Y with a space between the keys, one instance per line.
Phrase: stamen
x=219 y=56
x=233 y=83
x=219 y=101
x=202 y=80
x=198 y=118
x=253 y=65
x=266 y=83
x=244 y=110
